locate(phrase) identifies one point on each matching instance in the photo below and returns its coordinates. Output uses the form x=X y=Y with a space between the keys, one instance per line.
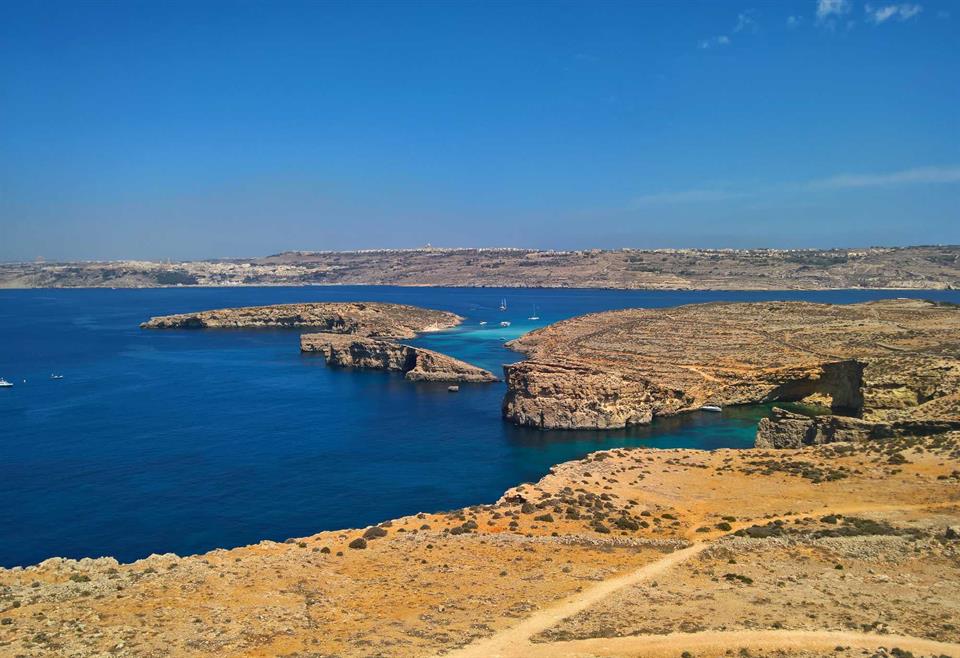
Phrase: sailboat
x=503 y=304
x=534 y=316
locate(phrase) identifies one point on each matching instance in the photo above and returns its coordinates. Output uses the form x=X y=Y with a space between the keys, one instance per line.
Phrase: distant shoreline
x=873 y=268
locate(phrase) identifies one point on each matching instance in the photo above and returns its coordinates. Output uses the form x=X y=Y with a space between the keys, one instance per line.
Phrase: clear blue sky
x=162 y=129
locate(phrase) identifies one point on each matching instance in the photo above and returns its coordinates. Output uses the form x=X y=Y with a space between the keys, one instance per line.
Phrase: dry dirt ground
x=840 y=550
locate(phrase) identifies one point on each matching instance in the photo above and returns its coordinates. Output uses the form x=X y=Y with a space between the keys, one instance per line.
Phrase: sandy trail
x=515 y=641
x=717 y=642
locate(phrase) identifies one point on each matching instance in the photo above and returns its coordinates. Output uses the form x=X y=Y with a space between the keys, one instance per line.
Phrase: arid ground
x=830 y=550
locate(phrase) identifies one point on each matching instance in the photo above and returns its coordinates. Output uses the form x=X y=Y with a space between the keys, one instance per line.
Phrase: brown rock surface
x=417 y=363
x=886 y=360
x=784 y=429
x=357 y=318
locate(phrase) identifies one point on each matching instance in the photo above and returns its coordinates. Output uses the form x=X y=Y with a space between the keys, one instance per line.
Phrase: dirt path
x=717 y=642
x=515 y=641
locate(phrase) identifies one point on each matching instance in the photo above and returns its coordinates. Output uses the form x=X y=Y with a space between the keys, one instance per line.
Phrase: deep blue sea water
x=184 y=441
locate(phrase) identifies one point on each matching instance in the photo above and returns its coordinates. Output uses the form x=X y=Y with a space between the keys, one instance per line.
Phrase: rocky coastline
x=607 y=555
x=919 y=267
x=886 y=363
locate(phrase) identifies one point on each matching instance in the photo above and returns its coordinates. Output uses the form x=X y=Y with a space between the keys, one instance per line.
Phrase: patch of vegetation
x=374 y=533
x=176 y=277
x=733 y=577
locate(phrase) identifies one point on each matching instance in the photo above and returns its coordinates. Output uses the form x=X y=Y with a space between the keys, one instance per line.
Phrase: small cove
x=184 y=441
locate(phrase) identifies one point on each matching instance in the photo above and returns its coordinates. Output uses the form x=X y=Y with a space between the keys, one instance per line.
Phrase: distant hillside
x=926 y=267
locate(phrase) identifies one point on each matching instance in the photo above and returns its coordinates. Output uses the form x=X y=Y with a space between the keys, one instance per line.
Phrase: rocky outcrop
x=785 y=429
x=356 y=318
x=885 y=361
x=416 y=363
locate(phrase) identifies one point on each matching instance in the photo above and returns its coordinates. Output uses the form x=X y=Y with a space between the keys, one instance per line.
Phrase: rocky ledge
x=885 y=362
x=416 y=363
x=357 y=318
x=785 y=429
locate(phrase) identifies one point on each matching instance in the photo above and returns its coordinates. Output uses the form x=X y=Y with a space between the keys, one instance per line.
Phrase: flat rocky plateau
x=883 y=362
x=922 y=267
x=843 y=550
x=373 y=319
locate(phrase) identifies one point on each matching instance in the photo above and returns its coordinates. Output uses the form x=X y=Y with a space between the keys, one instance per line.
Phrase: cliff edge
x=884 y=361
x=416 y=363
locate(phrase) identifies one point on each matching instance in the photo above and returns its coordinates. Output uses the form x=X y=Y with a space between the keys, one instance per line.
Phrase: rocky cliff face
x=357 y=318
x=784 y=429
x=416 y=363
x=894 y=359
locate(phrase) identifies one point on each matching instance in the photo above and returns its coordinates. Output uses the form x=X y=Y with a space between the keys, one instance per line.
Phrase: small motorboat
x=453 y=389
x=505 y=323
x=4 y=383
x=482 y=322
x=56 y=376
x=711 y=407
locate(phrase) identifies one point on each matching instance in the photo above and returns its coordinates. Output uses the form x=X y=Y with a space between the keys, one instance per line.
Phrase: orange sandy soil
x=624 y=553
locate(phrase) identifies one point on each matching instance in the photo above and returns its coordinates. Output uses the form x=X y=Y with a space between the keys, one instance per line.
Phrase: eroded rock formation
x=785 y=429
x=358 y=318
x=416 y=363
x=885 y=361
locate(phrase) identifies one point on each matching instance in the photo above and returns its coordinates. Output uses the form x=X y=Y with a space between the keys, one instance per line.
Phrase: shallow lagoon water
x=184 y=441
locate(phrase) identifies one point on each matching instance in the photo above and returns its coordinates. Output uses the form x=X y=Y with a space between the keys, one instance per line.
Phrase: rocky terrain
x=416 y=363
x=848 y=549
x=928 y=267
x=372 y=319
x=886 y=362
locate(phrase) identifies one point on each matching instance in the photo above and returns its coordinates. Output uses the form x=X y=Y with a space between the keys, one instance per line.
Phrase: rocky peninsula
x=416 y=363
x=885 y=362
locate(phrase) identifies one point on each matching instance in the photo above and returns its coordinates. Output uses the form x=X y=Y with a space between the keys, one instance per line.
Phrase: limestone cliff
x=886 y=360
x=357 y=318
x=784 y=429
x=416 y=363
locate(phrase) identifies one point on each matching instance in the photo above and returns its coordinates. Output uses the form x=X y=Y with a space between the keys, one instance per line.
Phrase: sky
x=201 y=129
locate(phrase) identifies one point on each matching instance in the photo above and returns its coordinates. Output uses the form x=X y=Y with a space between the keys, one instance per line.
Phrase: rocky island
x=416 y=363
x=892 y=365
x=350 y=334
x=357 y=318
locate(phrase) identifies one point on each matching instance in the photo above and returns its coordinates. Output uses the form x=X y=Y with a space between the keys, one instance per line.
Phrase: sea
x=183 y=441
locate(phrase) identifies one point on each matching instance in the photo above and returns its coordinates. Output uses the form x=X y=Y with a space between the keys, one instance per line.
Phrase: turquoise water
x=184 y=441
